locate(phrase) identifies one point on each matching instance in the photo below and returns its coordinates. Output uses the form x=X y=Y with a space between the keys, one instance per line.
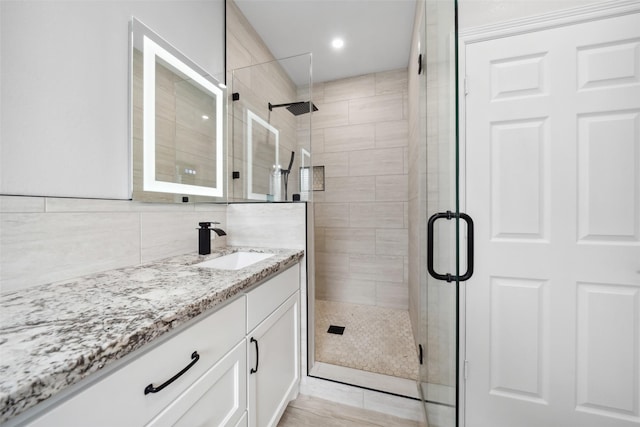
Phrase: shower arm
x=272 y=106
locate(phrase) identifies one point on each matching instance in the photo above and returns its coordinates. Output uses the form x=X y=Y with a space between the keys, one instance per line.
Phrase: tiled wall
x=360 y=136
x=44 y=239
x=275 y=225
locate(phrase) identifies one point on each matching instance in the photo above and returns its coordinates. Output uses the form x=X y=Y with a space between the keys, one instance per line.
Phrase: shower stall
x=437 y=263
x=375 y=160
x=270 y=127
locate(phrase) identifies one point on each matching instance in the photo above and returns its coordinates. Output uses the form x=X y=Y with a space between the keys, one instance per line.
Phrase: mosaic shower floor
x=375 y=339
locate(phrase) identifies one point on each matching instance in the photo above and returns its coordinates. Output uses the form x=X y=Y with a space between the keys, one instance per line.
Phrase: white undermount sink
x=235 y=261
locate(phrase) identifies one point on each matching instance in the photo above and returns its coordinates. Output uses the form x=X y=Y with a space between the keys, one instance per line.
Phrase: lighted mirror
x=178 y=124
x=305 y=175
x=263 y=169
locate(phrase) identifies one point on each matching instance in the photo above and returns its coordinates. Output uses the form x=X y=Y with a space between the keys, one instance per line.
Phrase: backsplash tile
x=39 y=248
x=21 y=204
x=46 y=239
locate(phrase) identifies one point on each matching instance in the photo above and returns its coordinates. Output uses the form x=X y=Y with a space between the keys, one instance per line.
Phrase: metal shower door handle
x=448 y=276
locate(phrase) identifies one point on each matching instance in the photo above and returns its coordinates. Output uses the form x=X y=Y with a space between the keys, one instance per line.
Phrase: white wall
x=473 y=13
x=64 y=80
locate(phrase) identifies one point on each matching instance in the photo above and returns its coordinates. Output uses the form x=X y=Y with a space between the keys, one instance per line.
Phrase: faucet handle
x=208 y=224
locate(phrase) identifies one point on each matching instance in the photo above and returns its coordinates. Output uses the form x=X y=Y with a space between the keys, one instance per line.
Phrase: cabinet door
x=218 y=398
x=274 y=355
x=119 y=399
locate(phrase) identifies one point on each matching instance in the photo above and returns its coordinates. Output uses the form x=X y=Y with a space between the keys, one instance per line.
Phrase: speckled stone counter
x=52 y=336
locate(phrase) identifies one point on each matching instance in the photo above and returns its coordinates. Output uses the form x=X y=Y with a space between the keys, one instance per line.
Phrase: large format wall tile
x=391 y=82
x=350 y=189
x=349 y=138
x=40 y=248
x=165 y=234
x=392 y=134
x=361 y=217
x=350 y=240
x=21 y=204
x=377 y=215
x=331 y=114
x=275 y=225
x=332 y=215
x=388 y=161
x=44 y=240
x=350 y=88
x=376 y=109
x=391 y=188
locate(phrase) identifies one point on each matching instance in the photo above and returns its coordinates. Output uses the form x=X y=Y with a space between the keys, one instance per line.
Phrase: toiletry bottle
x=275 y=183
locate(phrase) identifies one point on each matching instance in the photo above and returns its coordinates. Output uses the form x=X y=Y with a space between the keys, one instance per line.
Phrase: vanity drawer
x=120 y=399
x=266 y=298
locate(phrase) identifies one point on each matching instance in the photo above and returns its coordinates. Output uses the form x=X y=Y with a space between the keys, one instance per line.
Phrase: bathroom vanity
x=167 y=343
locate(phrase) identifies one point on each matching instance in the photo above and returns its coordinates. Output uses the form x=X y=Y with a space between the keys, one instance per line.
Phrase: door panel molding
x=548 y=20
x=603 y=133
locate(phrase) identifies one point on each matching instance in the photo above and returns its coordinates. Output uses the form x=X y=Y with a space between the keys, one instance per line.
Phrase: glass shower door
x=438 y=197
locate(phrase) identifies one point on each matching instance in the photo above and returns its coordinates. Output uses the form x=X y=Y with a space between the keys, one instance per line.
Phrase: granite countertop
x=52 y=336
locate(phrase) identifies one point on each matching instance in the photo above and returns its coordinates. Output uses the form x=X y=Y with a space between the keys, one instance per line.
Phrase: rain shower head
x=296 y=108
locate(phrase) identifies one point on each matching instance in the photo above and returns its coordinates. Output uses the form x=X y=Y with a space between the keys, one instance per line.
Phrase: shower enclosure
x=437 y=263
x=376 y=253
x=270 y=128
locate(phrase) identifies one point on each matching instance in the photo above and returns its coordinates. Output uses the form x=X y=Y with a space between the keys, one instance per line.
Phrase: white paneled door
x=553 y=183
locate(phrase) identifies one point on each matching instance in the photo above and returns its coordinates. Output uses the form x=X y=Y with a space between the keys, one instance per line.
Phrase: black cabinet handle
x=151 y=389
x=253 y=371
x=450 y=277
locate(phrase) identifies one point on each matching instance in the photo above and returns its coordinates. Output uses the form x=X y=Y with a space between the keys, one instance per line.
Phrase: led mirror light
x=252 y=120
x=152 y=53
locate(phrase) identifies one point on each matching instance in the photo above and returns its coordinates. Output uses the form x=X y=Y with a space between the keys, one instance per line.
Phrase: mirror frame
x=155 y=47
x=253 y=117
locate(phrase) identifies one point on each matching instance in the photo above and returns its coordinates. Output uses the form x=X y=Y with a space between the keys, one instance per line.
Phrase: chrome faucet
x=204 y=236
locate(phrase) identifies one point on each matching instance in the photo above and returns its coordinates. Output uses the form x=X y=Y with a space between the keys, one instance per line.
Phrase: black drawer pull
x=151 y=389
x=253 y=371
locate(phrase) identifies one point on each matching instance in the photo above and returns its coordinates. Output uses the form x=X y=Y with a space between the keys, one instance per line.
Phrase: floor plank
x=308 y=411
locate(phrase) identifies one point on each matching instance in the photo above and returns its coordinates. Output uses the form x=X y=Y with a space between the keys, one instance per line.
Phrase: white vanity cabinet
x=244 y=374
x=213 y=388
x=218 y=398
x=273 y=343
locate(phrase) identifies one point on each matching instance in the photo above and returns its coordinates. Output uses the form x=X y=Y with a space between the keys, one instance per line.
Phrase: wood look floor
x=308 y=411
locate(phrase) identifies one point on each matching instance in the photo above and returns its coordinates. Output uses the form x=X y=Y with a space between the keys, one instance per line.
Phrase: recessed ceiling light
x=205 y=117
x=337 y=43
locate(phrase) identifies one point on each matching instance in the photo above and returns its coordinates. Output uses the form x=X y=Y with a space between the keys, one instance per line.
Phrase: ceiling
x=376 y=33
